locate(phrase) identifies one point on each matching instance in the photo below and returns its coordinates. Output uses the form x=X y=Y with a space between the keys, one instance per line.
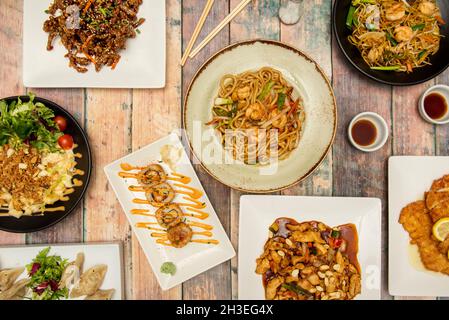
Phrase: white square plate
x=257 y=213
x=409 y=177
x=109 y=254
x=194 y=258
x=142 y=64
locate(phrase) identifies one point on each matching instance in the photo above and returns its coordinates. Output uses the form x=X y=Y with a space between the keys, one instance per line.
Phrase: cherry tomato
x=61 y=122
x=66 y=142
x=338 y=243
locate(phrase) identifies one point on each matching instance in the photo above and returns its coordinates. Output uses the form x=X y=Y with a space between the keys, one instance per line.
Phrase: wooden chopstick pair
x=191 y=54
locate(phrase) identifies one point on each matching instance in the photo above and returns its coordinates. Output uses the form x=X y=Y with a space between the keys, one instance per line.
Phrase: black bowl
x=37 y=223
x=440 y=61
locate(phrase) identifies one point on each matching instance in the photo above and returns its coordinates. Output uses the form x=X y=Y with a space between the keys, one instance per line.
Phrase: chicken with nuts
x=310 y=261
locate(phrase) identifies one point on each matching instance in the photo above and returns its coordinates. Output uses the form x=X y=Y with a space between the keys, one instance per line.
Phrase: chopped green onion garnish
x=350 y=17
x=296 y=289
x=418 y=27
x=389 y=68
x=392 y=40
x=335 y=234
x=281 y=100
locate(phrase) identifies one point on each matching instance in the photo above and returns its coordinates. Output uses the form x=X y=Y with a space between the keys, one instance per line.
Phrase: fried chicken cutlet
x=437 y=199
x=416 y=220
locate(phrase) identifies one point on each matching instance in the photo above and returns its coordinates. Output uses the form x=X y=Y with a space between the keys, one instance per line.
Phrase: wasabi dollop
x=168 y=268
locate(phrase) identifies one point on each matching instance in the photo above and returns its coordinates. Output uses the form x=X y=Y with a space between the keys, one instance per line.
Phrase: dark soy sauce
x=435 y=106
x=364 y=132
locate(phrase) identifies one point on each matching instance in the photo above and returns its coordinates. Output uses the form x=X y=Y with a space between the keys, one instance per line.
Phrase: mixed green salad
x=45 y=274
x=34 y=124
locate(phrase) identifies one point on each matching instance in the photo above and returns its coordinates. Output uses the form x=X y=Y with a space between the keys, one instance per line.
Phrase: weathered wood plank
x=411 y=134
x=215 y=283
x=147 y=127
x=313 y=35
x=355 y=173
x=70 y=230
x=442 y=132
x=258 y=20
x=11 y=12
x=109 y=127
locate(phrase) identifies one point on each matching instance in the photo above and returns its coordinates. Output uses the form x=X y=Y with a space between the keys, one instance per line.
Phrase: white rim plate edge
x=152 y=31
x=167 y=282
x=400 y=269
x=369 y=231
x=78 y=247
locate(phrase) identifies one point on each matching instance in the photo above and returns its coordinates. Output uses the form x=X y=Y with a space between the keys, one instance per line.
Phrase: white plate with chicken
x=309 y=248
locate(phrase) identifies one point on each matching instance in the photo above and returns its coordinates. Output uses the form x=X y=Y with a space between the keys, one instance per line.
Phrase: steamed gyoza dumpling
x=8 y=277
x=101 y=295
x=16 y=291
x=72 y=272
x=90 y=281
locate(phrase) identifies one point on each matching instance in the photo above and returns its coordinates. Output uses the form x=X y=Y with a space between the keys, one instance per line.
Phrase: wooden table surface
x=121 y=121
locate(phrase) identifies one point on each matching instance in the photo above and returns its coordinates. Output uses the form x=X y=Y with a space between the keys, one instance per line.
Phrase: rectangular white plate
x=142 y=64
x=109 y=254
x=409 y=177
x=257 y=213
x=194 y=258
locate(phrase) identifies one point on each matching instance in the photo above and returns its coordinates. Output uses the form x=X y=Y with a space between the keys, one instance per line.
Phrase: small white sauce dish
x=441 y=89
x=381 y=128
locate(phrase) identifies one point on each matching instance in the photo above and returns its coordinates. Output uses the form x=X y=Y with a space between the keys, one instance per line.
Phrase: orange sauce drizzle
x=196 y=206
x=202 y=215
x=127 y=175
x=142 y=212
x=148 y=225
x=137 y=188
x=195 y=193
x=203 y=233
x=200 y=225
x=206 y=241
x=128 y=167
x=159 y=235
x=190 y=223
x=180 y=178
x=163 y=241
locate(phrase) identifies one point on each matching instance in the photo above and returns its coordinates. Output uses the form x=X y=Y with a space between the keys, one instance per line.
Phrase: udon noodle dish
x=257 y=116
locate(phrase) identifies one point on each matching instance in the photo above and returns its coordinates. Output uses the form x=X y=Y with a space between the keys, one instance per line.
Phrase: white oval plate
x=308 y=81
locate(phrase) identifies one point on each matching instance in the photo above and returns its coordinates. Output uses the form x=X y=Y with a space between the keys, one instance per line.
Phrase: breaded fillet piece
x=444 y=246
x=440 y=211
x=436 y=198
x=438 y=193
x=441 y=184
x=417 y=222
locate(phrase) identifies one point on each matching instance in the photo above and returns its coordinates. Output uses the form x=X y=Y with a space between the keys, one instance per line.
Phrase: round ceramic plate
x=308 y=81
x=36 y=223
